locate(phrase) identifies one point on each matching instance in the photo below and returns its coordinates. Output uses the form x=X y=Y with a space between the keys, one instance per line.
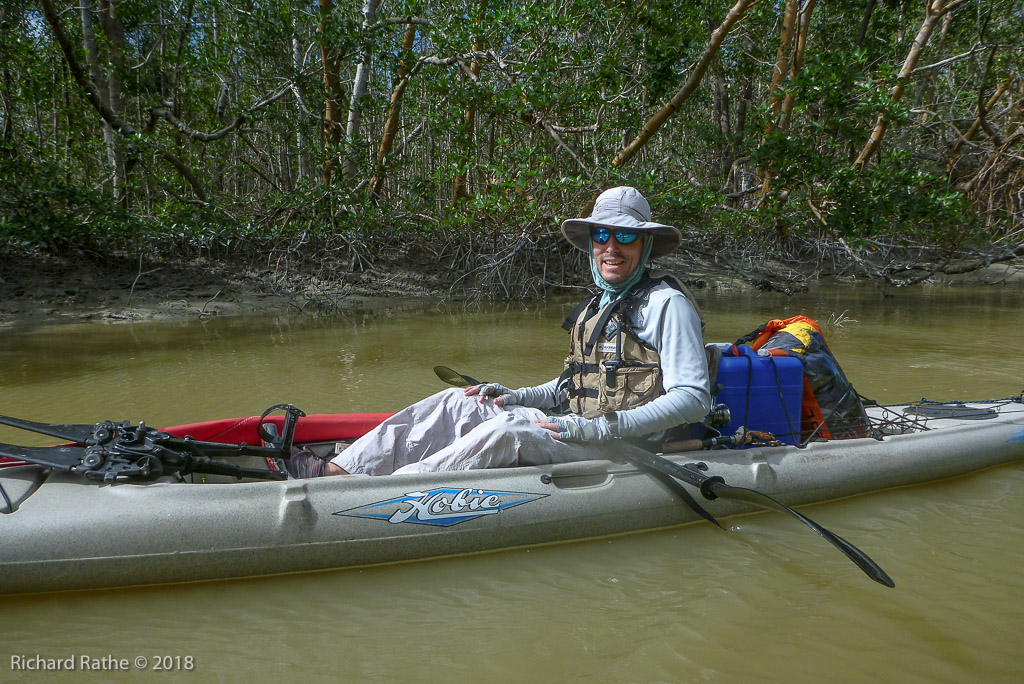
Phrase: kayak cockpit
x=257 y=448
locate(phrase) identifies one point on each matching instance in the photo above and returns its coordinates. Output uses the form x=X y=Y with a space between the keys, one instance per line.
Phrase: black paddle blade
x=62 y=457
x=861 y=559
x=712 y=486
x=449 y=376
x=72 y=433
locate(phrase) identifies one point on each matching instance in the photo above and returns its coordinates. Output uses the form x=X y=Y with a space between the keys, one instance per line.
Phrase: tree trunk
x=183 y=34
x=797 y=64
x=335 y=93
x=781 y=70
x=387 y=141
x=722 y=113
x=865 y=22
x=359 y=85
x=83 y=80
x=114 y=33
x=723 y=123
x=935 y=11
x=460 y=189
x=117 y=123
x=300 y=142
x=779 y=73
x=673 y=105
x=7 y=135
x=99 y=77
x=926 y=88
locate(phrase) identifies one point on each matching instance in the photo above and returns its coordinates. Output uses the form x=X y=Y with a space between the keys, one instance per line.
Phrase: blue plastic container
x=762 y=393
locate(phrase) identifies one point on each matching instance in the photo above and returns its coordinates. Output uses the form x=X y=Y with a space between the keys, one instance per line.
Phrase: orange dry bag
x=831 y=407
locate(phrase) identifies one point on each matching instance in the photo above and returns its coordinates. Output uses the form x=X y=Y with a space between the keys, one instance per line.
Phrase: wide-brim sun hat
x=621 y=207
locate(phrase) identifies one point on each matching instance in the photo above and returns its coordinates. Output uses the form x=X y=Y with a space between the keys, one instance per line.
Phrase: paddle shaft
x=714 y=486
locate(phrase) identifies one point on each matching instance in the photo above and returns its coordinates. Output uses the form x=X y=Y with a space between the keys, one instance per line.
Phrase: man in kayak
x=636 y=369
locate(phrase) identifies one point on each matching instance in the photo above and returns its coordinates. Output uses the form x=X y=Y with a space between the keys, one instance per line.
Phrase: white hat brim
x=577 y=231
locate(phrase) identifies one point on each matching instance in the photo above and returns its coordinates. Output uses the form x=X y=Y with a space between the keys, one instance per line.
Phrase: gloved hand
x=578 y=429
x=503 y=396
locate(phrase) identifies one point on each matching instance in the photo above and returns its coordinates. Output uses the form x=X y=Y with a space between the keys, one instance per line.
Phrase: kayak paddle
x=449 y=376
x=714 y=487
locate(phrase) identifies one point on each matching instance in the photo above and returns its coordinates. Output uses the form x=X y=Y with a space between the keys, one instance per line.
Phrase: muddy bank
x=40 y=288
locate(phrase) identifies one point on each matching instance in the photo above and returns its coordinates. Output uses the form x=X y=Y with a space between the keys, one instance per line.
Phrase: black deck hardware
x=109 y=451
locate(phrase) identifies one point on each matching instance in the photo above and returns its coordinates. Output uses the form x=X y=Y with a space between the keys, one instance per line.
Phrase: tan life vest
x=609 y=368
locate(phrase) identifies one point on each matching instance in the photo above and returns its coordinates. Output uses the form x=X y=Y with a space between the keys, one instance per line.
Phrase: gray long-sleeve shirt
x=667 y=321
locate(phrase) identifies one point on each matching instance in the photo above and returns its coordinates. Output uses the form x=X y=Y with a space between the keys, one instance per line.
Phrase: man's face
x=615 y=261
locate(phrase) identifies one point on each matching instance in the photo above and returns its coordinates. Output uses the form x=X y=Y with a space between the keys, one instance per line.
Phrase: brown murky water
x=768 y=601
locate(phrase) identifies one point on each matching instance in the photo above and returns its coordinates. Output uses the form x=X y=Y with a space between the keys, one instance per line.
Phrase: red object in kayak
x=312 y=428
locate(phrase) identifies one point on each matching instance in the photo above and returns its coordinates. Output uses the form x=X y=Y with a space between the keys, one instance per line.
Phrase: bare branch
x=670 y=108
x=950 y=60
x=936 y=9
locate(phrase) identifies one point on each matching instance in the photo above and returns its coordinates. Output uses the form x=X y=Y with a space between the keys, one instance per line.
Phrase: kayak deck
x=66 y=533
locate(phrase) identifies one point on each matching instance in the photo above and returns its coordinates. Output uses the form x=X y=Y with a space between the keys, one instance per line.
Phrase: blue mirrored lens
x=623 y=237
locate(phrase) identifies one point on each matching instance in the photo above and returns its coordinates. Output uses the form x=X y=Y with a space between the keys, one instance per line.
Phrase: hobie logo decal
x=441 y=506
x=1018 y=436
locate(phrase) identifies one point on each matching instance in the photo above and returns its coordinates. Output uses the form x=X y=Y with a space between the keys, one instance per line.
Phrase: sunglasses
x=623 y=237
